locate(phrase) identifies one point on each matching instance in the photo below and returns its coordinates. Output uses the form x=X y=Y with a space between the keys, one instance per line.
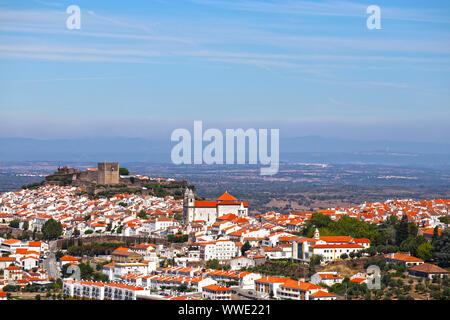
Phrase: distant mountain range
x=302 y=149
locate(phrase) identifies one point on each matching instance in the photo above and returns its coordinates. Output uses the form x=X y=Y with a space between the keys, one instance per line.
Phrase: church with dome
x=210 y=210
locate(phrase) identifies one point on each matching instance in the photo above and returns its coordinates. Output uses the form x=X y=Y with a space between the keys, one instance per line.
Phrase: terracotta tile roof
x=214 y=287
x=321 y=293
x=403 y=257
x=226 y=196
x=428 y=268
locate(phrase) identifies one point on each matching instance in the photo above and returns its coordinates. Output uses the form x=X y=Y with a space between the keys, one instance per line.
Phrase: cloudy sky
x=144 y=68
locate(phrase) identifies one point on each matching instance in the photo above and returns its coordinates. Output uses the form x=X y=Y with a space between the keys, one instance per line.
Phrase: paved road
x=50 y=264
x=247 y=294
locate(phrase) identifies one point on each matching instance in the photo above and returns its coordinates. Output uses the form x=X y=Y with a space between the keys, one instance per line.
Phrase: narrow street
x=50 y=264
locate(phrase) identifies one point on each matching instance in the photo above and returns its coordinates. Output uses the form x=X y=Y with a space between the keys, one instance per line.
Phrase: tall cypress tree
x=402 y=230
x=435 y=235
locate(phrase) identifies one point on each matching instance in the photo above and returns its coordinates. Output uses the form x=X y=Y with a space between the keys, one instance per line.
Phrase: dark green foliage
x=441 y=249
x=94 y=249
x=214 y=264
x=33 y=186
x=345 y=226
x=435 y=235
x=245 y=247
x=142 y=214
x=124 y=171
x=402 y=230
x=52 y=229
x=14 y=223
x=412 y=243
x=315 y=260
x=178 y=238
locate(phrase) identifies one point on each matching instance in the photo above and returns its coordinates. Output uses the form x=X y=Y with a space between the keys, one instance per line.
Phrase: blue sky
x=144 y=68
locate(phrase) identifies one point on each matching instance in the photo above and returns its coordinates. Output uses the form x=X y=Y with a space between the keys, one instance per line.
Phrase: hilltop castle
x=209 y=211
x=105 y=173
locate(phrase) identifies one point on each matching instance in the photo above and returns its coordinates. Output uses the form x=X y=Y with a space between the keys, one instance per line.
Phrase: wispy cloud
x=327 y=8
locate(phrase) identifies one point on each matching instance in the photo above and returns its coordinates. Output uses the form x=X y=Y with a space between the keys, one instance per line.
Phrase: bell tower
x=188 y=205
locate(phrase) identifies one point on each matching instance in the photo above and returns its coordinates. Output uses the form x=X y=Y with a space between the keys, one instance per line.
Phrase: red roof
x=428 y=268
x=7 y=259
x=322 y=293
x=299 y=285
x=214 y=287
x=330 y=246
x=228 y=216
x=336 y=238
x=403 y=257
x=226 y=196
x=205 y=203
x=68 y=258
x=358 y=280
x=13 y=268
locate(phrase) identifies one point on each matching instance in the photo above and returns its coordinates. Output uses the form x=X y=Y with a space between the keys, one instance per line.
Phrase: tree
x=316 y=259
x=14 y=223
x=344 y=256
x=52 y=229
x=59 y=254
x=142 y=214
x=25 y=225
x=444 y=219
x=89 y=231
x=86 y=271
x=245 y=247
x=402 y=230
x=435 y=235
x=412 y=243
x=441 y=249
x=212 y=264
x=38 y=297
x=124 y=171
x=424 y=251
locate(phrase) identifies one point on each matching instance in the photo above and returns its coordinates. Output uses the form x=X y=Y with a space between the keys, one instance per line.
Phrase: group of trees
x=34 y=287
x=214 y=264
x=390 y=236
x=441 y=249
x=94 y=248
x=142 y=214
x=86 y=273
x=178 y=238
x=344 y=226
x=14 y=223
x=279 y=268
x=33 y=186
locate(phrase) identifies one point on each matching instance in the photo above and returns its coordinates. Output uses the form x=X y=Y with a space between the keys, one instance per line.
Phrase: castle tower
x=108 y=173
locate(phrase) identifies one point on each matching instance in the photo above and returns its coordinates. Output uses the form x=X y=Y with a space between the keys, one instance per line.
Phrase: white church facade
x=209 y=211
